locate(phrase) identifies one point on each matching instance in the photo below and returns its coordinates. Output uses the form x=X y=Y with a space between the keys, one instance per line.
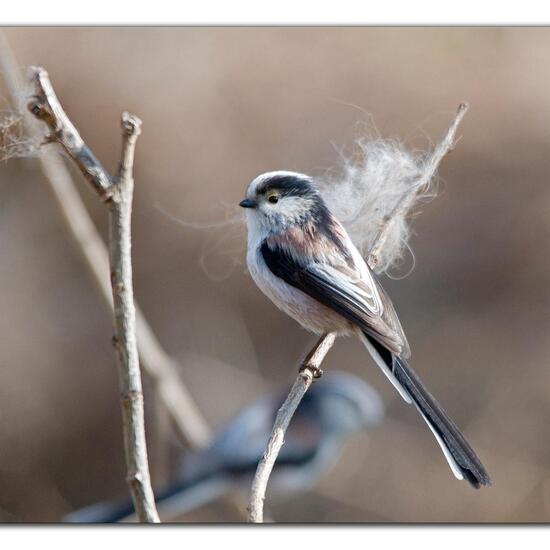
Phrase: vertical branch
x=444 y=146
x=117 y=193
x=120 y=243
x=309 y=370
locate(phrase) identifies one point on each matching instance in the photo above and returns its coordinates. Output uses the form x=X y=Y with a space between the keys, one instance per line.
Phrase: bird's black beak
x=248 y=203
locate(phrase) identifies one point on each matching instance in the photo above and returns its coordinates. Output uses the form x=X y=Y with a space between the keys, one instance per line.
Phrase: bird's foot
x=316 y=372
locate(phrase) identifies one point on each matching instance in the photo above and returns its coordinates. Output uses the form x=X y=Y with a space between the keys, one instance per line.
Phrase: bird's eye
x=273 y=198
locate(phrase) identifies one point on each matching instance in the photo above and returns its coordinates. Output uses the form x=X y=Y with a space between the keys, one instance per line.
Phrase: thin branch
x=118 y=194
x=46 y=107
x=309 y=370
x=161 y=368
x=133 y=423
x=445 y=145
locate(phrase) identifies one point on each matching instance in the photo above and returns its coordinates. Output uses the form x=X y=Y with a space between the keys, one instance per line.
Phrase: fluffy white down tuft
x=367 y=187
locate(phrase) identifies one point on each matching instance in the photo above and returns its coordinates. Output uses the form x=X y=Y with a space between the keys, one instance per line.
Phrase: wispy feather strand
x=367 y=187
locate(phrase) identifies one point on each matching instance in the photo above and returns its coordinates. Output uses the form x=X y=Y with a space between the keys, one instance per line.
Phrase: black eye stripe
x=287 y=186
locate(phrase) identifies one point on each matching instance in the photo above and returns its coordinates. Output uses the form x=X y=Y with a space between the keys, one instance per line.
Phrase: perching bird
x=334 y=409
x=302 y=258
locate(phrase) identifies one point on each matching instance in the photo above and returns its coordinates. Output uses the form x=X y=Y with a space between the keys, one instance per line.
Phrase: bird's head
x=276 y=201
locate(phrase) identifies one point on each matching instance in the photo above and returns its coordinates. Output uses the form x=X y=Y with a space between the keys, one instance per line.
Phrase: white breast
x=312 y=315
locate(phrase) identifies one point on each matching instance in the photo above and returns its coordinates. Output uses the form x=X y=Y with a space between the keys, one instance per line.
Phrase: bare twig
x=46 y=107
x=444 y=146
x=309 y=370
x=120 y=195
x=117 y=192
x=163 y=370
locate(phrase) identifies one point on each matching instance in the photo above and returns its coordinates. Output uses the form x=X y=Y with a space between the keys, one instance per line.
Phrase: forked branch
x=161 y=368
x=117 y=193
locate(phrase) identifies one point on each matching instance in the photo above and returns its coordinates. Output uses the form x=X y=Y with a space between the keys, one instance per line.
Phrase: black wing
x=361 y=300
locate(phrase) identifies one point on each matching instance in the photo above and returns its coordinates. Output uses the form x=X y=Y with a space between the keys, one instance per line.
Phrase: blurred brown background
x=219 y=106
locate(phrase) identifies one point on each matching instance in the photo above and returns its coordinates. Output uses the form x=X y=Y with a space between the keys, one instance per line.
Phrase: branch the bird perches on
x=310 y=368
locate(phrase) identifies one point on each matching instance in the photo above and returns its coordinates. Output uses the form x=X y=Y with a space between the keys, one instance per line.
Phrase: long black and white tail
x=462 y=459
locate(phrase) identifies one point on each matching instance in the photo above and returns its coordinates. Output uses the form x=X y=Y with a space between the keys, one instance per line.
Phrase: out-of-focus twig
x=163 y=370
x=117 y=192
x=444 y=146
x=309 y=370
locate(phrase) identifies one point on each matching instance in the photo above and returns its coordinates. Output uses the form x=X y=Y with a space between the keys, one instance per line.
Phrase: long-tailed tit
x=302 y=258
x=328 y=415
